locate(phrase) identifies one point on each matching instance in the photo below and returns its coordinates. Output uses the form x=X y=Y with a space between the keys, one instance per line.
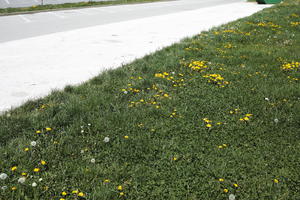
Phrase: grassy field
x=216 y=116
x=39 y=8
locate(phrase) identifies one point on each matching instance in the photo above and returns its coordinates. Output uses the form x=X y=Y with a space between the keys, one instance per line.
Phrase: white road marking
x=7 y=1
x=24 y=18
x=57 y=15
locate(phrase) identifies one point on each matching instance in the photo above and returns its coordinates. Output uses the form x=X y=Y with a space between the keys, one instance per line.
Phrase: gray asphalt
x=28 y=3
x=32 y=25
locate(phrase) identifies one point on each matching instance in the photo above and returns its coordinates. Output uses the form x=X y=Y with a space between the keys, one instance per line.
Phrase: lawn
x=216 y=116
x=83 y=4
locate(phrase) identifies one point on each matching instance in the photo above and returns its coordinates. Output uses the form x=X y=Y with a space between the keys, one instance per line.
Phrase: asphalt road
x=28 y=3
x=31 y=25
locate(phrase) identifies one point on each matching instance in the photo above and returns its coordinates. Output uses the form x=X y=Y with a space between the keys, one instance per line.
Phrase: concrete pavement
x=32 y=67
x=23 y=26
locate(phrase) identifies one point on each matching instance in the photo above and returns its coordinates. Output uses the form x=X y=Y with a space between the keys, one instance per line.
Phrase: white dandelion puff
x=106 y=139
x=3 y=176
x=231 y=197
x=22 y=180
x=33 y=143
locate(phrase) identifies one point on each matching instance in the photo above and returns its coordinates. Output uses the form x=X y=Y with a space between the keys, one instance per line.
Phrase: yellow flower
x=43 y=162
x=48 y=129
x=64 y=193
x=126 y=136
x=220 y=147
x=235 y=185
x=38 y=131
x=276 y=180
x=62 y=199
x=106 y=181
x=26 y=149
x=36 y=169
x=81 y=194
x=225 y=190
x=120 y=187
x=175 y=158
x=13 y=188
x=246 y=118
x=14 y=168
x=208 y=125
x=24 y=174
x=122 y=194
x=74 y=191
x=221 y=179
x=225 y=145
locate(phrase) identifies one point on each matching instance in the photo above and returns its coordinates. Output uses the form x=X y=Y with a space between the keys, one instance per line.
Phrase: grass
x=176 y=128
x=39 y=8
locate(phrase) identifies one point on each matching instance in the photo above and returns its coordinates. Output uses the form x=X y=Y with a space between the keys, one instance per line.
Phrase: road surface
x=31 y=25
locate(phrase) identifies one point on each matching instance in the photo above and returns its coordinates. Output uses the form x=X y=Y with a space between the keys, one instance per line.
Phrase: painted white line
x=57 y=15
x=7 y=1
x=24 y=18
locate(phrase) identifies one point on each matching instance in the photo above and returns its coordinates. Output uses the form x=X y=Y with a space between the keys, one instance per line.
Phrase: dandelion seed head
x=93 y=160
x=106 y=139
x=22 y=180
x=231 y=197
x=34 y=184
x=33 y=143
x=3 y=176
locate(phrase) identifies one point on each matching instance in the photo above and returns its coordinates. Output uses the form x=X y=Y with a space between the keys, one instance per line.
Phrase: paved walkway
x=32 y=67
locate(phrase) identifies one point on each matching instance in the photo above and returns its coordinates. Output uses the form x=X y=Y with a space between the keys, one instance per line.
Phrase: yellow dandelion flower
x=38 y=131
x=75 y=192
x=246 y=119
x=221 y=179
x=26 y=149
x=225 y=145
x=14 y=168
x=235 y=185
x=122 y=193
x=24 y=174
x=64 y=193
x=175 y=158
x=220 y=147
x=81 y=194
x=13 y=188
x=106 y=181
x=126 y=137
x=208 y=125
x=225 y=190
x=43 y=162
x=276 y=180
x=62 y=199
x=36 y=169
x=120 y=187
x=48 y=129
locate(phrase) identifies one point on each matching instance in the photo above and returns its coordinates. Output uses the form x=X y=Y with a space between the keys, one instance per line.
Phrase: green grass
x=160 y=102
x=39 y=8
